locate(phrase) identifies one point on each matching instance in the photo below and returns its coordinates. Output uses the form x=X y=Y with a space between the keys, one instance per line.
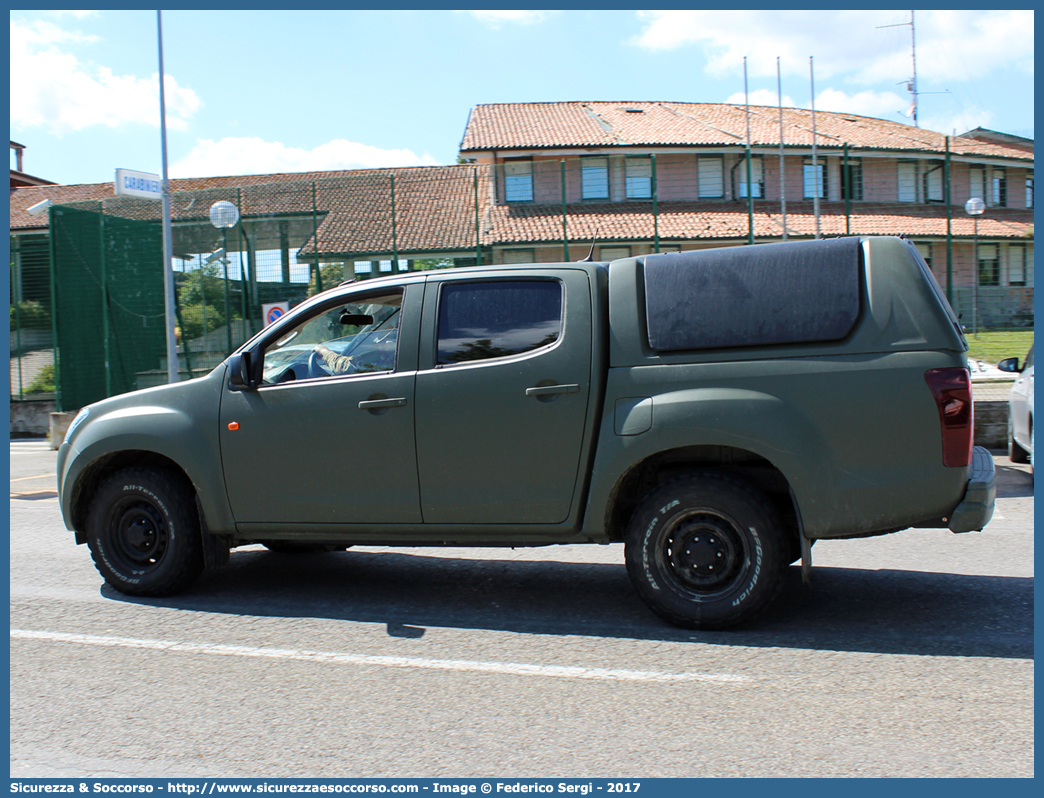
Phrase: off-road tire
x=706 y=551
x=143 y=532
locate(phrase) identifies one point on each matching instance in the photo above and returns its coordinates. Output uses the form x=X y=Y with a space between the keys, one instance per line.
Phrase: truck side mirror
x=239 y=372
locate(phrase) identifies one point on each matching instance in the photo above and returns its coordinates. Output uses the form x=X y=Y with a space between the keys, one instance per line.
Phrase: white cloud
x=51 y=88
x=75 y=14
x=968 y=119
x=251 y=155
x=761 y=97
x=950 y=44
x=880 y=105
x=883 y=105
x=495 y=19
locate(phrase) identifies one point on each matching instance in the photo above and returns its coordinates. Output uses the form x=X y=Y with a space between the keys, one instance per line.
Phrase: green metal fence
x=32 y=340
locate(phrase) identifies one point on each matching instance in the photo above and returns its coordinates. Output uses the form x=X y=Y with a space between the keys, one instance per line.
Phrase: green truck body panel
x=176 y=422
x=554 y=445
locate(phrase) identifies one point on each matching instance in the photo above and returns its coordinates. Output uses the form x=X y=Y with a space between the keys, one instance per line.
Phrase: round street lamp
x=223 y=215
x=975 y=208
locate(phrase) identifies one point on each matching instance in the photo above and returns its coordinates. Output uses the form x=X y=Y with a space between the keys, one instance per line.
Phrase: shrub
x=29 y=313
x=43 y=382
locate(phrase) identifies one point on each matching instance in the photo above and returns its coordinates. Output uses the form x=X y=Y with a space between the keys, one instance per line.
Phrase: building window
x=907 y=181
x=989 y=264
x=815 y=178
x=519 y=256
x=852 y=179
x=638 y=177
x=1029 y=189
x=518 y=181
x=925 y=251
x=1016 y=264
x=999 y=188
x=711 y=176
x=594 y=178
x=757 y=178
x=978 y=182
x=614 y=253
x=933 y=184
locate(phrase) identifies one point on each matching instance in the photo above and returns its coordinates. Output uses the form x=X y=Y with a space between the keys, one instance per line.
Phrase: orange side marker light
x=233 y=425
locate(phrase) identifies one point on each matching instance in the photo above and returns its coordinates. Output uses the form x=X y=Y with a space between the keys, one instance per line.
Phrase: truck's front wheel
x=706 y=552
x=143 y=532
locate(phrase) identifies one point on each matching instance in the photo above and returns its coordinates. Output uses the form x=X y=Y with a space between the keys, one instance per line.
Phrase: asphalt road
x=907 y=655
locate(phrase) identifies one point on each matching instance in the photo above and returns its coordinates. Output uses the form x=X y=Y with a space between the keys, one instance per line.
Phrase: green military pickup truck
x=717 y=411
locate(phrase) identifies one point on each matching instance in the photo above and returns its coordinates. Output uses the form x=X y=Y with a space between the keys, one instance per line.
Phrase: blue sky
x=278 y=91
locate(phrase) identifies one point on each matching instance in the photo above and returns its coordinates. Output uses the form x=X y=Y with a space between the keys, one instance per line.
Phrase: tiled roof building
x=542 y=181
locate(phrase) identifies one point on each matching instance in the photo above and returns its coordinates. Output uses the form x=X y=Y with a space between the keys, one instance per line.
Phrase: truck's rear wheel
x=143 y=532
x=706 y=552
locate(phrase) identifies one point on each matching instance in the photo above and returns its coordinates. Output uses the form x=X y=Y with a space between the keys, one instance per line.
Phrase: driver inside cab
x=338 y=364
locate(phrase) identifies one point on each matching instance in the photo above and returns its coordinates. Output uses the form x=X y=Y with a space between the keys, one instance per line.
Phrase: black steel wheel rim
x=139 y=534
x=705 y=553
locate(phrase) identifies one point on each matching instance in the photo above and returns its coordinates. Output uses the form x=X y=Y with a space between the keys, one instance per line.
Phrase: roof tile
x=620 y=124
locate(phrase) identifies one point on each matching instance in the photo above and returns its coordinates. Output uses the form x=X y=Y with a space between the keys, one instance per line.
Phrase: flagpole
x=817 y=184
x=750 y=188
x=782 y=182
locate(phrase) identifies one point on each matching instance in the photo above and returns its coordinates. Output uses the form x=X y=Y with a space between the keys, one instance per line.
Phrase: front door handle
x=547 y=390
x=381 y=404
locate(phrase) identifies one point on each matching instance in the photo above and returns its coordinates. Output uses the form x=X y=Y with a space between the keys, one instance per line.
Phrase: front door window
x=356 y=338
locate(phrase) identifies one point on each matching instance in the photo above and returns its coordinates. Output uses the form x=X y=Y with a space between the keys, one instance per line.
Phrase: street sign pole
x=168 y=243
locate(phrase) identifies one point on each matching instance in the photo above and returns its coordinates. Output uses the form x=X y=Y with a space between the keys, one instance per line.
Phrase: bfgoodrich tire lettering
x=143 y=532
x=706 y=552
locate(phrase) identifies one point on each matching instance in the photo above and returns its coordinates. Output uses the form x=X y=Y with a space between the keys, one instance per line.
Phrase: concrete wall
x=31 y=419
x=991 y=424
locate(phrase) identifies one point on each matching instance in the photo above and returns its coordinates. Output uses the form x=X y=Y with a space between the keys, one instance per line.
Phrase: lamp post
x=223 y=215
x=974 y=208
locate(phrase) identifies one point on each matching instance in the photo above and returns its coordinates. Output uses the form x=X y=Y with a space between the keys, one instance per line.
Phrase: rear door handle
x=547 y=390
x=380 y=404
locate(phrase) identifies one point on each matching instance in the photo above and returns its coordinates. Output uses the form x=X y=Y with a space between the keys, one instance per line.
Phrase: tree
x=333 y=274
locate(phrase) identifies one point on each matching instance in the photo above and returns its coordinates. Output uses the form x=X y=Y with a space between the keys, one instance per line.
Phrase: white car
x=1020 y=409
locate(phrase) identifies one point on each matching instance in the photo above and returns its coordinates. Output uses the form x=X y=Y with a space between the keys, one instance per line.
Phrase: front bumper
x=980 y=495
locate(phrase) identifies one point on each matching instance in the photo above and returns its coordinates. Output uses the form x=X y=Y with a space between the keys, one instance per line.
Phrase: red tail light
x=953 y=396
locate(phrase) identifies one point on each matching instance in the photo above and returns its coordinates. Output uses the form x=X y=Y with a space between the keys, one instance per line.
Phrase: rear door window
x=493 y=319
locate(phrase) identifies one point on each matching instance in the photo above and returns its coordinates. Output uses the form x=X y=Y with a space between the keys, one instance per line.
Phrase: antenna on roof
x=594 y=240
x=590 y=256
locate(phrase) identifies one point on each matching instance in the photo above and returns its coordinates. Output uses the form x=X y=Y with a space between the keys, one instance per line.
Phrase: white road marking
x=38 y=476
x=512 y=668
x=24 y=445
